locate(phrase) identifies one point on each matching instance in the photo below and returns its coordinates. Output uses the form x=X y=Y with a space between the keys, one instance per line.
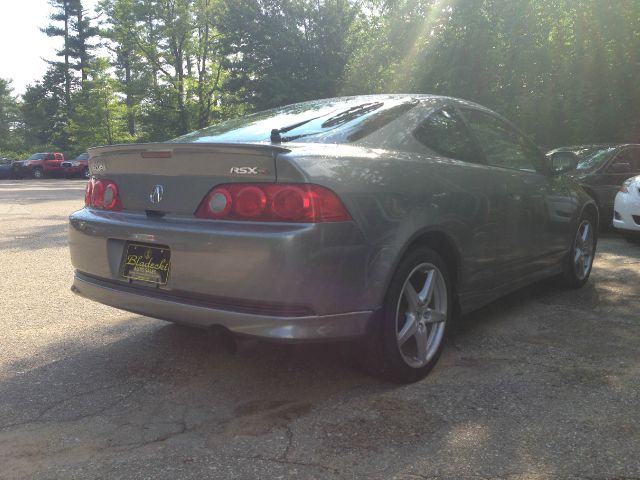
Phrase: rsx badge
x=248 y=170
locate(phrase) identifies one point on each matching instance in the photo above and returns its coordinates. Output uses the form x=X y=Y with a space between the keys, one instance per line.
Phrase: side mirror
x=620 y=167
x=562 y=162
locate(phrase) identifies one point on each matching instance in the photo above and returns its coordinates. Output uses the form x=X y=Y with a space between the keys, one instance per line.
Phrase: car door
x=517 y=192
x=444 y=133
x=50 y=162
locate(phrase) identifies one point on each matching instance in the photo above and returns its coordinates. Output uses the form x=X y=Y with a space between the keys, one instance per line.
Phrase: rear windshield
x=336 y=121
x=37 y=156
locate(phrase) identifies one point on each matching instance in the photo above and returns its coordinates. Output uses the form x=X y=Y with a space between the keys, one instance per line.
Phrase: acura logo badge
x=156 y=194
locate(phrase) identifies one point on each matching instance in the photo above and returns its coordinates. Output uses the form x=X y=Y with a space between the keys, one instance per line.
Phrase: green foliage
x=99 y=116
x=9 y=117
x=282 y=52
x=564 y=70
x=44 y=110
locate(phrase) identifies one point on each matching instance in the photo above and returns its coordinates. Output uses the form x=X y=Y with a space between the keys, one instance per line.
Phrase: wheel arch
x=591 y=192
x=443 y=244
x=591 y=208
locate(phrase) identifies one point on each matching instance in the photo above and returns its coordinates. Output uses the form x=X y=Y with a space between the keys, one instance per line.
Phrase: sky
x=22 y=44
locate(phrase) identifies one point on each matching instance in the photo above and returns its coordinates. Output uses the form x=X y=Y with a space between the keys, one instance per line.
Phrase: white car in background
x=626 y=210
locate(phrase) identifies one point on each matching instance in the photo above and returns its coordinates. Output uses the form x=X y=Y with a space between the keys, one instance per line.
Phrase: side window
x=51 y=156
x=502 y=145
x=628 y=160
x=58 y=156
x=444 y=133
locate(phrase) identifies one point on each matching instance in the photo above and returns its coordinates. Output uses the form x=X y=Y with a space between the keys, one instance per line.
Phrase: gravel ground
x=543 y=384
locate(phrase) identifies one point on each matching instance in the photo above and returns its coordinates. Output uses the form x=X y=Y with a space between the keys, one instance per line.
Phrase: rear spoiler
x=165 y=149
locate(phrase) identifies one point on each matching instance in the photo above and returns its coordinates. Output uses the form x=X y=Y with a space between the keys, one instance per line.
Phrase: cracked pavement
x=543 y=384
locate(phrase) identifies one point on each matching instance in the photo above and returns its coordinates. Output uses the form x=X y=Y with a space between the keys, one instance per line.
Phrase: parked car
x=78 y=167
x=372 y=218
x=626 y=212
x=40 y=165
x=6 y=170
x=602 y=169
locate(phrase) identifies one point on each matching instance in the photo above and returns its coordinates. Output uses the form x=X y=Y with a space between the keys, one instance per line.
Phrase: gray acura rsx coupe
x=372 y=218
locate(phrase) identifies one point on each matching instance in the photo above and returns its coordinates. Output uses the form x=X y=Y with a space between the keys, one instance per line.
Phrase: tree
x=286 y=51
x=10 y=118
x=119 y=29
x=44 y=112
x=99 y=114
x=69 y=22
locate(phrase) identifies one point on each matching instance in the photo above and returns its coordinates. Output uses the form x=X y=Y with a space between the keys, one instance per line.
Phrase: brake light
x=273 y=202
x=102 y=194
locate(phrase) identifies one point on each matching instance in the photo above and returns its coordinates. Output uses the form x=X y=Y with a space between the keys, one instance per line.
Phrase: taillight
x=273 y=202
x=102 y=194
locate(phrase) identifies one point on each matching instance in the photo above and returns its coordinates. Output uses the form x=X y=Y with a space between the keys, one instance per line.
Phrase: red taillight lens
x=290 y=203
x=88 y=192
x=102 y=194
x=97 y=194
x=273 y=202
x=250 y=202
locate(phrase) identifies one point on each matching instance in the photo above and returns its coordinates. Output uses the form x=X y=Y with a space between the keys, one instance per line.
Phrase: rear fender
x=385 y=260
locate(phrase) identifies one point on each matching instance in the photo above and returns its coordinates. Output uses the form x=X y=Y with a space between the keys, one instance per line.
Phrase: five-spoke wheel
x=409 y=337
x=421 y=314
x=583 y=249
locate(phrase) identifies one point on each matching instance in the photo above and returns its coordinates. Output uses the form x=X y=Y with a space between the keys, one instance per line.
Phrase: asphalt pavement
x=543 y=384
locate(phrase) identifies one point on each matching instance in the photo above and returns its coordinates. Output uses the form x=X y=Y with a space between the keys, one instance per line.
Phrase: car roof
x=422 y=97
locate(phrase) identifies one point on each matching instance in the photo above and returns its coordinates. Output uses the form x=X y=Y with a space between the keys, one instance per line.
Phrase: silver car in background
x=372 y=218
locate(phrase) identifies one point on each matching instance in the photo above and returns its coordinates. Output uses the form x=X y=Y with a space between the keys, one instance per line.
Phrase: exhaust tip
x=227 y=339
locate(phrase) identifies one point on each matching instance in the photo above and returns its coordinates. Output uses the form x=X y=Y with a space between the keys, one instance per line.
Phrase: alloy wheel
x=421 y=314
x=583 y=249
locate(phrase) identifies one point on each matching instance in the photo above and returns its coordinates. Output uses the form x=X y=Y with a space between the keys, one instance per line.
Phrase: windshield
x=596 y=159
x=317 y=121
x=36 y=156
x=82 y=156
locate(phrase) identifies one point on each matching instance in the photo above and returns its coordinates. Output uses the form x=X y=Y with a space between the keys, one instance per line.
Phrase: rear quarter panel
x=394 y=197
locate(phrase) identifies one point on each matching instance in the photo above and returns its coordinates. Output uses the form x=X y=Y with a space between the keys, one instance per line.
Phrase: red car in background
x=78 y=167
x=38 y=165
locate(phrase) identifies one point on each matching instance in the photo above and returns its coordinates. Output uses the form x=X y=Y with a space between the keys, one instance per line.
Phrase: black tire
x=573 y=276
x=85 y=174
x=37 y=173
x=380 y=353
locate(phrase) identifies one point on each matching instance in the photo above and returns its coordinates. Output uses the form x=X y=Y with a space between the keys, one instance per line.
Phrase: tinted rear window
x=319 y=121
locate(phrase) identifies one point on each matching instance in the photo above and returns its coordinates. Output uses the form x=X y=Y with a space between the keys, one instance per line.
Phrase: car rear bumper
x=291 y=328
x=276 y=280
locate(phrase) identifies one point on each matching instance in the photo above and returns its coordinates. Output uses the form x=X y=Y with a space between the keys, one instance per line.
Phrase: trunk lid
x=185 y=172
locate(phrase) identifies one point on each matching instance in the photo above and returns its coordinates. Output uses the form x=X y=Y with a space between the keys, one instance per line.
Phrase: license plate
x=146 y=263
